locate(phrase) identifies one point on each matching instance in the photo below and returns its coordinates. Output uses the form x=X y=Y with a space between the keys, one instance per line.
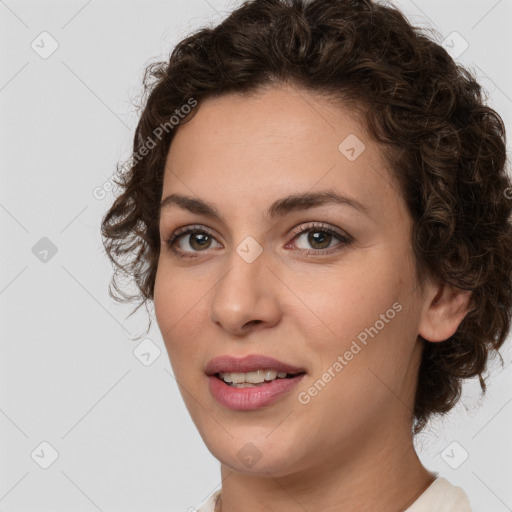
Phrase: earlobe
x=444 y=309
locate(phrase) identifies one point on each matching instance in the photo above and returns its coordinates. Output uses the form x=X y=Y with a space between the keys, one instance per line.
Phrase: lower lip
x=254 y=397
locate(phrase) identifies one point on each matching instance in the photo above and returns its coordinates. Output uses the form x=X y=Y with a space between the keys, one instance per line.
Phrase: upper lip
x=250 y=363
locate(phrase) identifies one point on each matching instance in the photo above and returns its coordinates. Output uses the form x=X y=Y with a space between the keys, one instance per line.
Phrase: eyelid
x=184 y=230
x=320 y=226
x=190 y=227
x=302 y=228
x=295 y=231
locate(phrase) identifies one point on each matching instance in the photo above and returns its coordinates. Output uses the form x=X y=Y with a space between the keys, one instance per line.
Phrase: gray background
x=69 y=373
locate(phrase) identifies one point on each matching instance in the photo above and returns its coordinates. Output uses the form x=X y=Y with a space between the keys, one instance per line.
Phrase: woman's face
x=326 y=288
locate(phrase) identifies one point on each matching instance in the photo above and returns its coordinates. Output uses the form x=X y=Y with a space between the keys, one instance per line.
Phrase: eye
x=194 y=237
x=320 y=237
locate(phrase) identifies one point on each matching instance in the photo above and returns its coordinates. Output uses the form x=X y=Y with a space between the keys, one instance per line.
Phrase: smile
x=252 y=378
x=250 y=382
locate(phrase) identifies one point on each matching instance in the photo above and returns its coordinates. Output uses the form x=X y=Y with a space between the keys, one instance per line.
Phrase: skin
x=350 y=448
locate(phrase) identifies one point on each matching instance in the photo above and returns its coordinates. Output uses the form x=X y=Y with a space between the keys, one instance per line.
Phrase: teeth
x=270 y=375
x=256 y=377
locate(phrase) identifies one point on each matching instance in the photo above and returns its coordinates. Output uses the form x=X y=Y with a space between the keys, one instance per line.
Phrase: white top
x=440 y=496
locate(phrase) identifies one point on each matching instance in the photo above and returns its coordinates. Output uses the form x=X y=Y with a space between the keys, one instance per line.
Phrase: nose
x=246 y=298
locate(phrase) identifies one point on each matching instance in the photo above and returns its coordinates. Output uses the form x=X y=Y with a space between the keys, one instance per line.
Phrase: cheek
x=170 y=304
x=180 y=312
x=339 y=309
x=163 y=299
x=366 y=317
x=174 y=294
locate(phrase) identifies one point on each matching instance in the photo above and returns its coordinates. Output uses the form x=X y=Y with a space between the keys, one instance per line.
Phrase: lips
x=250 y=363
x=254 y=396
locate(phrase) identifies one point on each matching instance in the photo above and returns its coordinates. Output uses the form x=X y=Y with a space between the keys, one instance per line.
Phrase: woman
x=318 y=209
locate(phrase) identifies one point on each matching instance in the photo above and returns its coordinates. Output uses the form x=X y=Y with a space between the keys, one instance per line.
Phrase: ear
x=444 y=309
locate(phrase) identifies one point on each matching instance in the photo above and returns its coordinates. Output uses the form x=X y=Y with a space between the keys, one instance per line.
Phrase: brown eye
x=190 y=240
x=199 y=241
x=319 y=240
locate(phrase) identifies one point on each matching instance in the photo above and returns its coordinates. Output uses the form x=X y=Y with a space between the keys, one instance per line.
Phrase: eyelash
x=313 y=226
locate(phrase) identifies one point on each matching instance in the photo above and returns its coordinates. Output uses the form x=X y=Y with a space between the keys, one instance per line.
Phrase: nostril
x=252 y=322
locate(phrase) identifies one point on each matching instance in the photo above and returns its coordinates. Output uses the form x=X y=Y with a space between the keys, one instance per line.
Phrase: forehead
x=283 y=121
x=281 y=142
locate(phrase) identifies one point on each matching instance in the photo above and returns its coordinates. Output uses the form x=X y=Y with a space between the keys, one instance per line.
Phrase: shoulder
x=441 y=496
x=209 y=504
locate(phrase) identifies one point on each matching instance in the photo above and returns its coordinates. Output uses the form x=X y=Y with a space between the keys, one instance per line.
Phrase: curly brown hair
x=446 y=149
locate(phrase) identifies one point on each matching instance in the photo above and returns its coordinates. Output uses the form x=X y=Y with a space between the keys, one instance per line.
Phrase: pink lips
x=229 y=364
x=254 y=397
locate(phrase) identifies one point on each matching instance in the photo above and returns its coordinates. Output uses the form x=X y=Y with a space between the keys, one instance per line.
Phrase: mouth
x=252 y=369
x=251 y=382
x=255 y=378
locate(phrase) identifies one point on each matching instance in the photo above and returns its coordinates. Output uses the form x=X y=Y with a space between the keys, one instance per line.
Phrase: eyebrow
x=279 y=208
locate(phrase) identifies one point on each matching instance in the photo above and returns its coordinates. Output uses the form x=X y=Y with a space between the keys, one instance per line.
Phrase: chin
x=253 y=454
